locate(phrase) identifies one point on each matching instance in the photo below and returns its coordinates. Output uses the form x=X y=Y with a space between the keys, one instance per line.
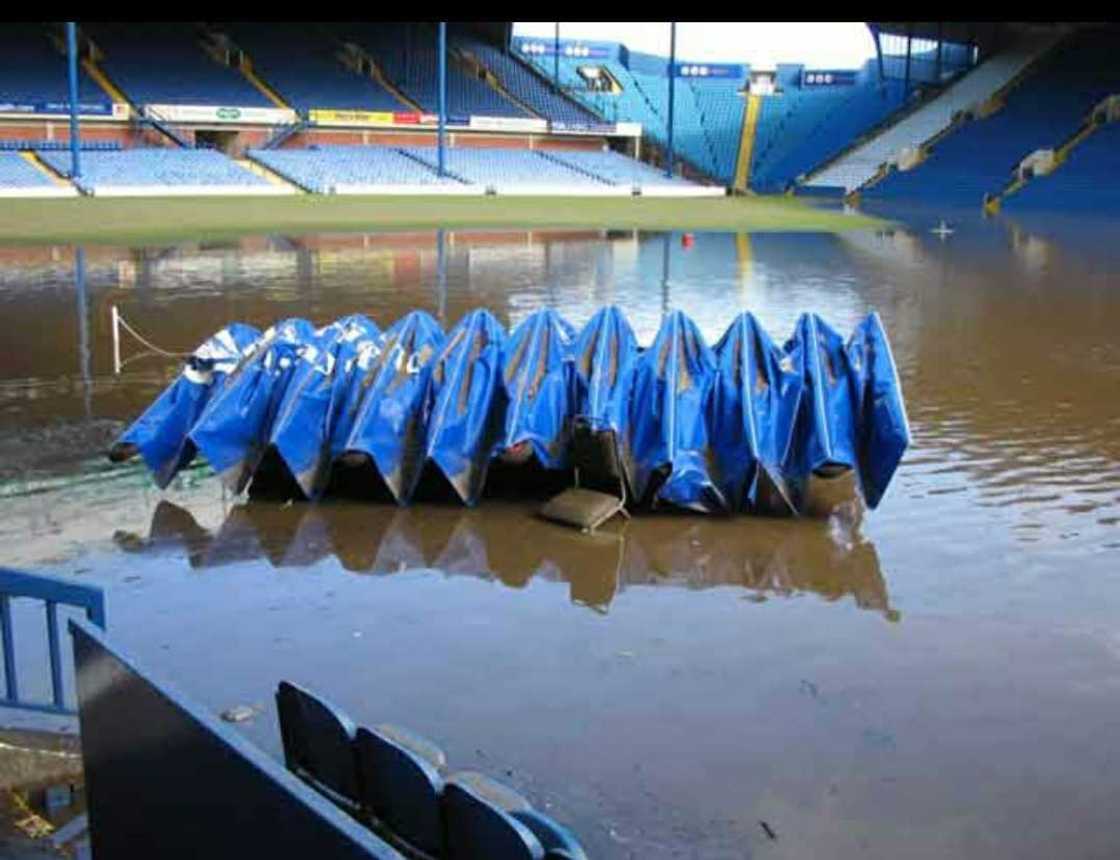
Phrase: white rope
x=120 y=322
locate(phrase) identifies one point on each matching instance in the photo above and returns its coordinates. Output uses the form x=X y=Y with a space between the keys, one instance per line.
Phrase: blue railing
x=53 y=592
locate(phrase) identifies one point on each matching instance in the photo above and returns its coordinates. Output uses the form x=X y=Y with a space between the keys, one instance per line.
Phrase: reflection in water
x=84 y=371
x=778 y=557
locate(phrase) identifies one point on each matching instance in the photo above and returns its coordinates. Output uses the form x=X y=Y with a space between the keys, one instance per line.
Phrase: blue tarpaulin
x=386 y=402
x=161 y=433
x=739 y=427
x=538 y=388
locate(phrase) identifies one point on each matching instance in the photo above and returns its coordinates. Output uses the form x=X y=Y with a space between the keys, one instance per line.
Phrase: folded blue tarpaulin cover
x=668 y=431
x=752 y=413
x=538 y=388
x=466 y=404
x=233 y=431
x=742 y=426
x=161 y=433
x=301 y=430
x=383 y=415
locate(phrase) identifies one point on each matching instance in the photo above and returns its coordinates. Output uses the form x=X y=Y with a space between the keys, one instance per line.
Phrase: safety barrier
x=53 y=592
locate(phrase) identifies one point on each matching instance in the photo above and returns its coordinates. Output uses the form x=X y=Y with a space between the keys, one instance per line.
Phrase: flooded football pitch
x=937 y=678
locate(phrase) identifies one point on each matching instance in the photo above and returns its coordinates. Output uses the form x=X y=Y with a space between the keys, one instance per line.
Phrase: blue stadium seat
x=558 y=842
x=479 y=823
x=322 y=168
x=506 y=167
x=1086 y=182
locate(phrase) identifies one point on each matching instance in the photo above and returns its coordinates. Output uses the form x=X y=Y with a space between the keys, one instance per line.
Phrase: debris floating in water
x=741 y=426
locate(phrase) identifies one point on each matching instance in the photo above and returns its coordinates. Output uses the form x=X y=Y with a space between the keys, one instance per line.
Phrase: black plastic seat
x=401 y=777
x=318 y=741
x=477 y=825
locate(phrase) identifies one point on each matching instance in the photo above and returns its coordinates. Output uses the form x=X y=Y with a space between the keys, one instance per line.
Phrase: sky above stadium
x=843 y=45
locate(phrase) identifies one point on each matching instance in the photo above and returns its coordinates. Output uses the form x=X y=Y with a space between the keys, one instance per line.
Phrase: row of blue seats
x=154 y=166
x=85 y=145
x=15 y=172
x=321 y=168
x=980 y=157
x=399 y=784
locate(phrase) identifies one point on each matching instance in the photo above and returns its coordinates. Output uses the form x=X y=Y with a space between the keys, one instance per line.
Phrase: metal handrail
x=53 y=591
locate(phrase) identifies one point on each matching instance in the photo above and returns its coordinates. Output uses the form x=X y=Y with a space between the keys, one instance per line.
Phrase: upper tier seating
x=413 y=68
x=800 y=128
x=154 y=167
x=861 y=164
x=525 y=84
x=165 y=64
x=1086 y=182
x=707 y=113
x=1046 y=108
x=321 y=168
x=15 y=172
x=17 y=145
x=498 y=167
x=33 y=71
x=616 y=167
x=300 y=62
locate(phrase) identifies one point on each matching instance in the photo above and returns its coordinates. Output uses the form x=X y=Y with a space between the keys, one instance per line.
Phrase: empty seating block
x=34 y=70
x=617 y=168
x=15 y=173
x=508 y=168
x=159 y=171
x=1086 y=182
x=1046 y=108
x=327 y=169
x=300 y=61
x=166 y=64
x=413 y=68
x=521 y=81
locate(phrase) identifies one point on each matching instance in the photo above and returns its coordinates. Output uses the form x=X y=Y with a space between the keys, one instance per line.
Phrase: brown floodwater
x=938 y=678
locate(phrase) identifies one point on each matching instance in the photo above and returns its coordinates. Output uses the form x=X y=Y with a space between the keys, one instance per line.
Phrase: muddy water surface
x=938 y=678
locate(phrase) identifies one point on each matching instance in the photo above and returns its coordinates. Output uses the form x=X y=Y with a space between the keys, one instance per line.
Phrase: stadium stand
x=720 y=113
x=165 y=64
x=300 y=61
x=337 y=169
x=524 y=83
x=802 y=127
x=1047 y=107
x=1086 y=182
x=92 y=145
x=413 y=70
x=160 y=171
x=862 y=163
x=34 y=71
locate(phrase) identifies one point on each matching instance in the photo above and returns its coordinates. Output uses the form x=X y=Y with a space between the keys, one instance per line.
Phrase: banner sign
x=215 y=113
x=508 y=123
x=723 y=71
x=622 y=129
x=63 y=108
x=350 y=117
x=575 y=50
x=840 y=78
